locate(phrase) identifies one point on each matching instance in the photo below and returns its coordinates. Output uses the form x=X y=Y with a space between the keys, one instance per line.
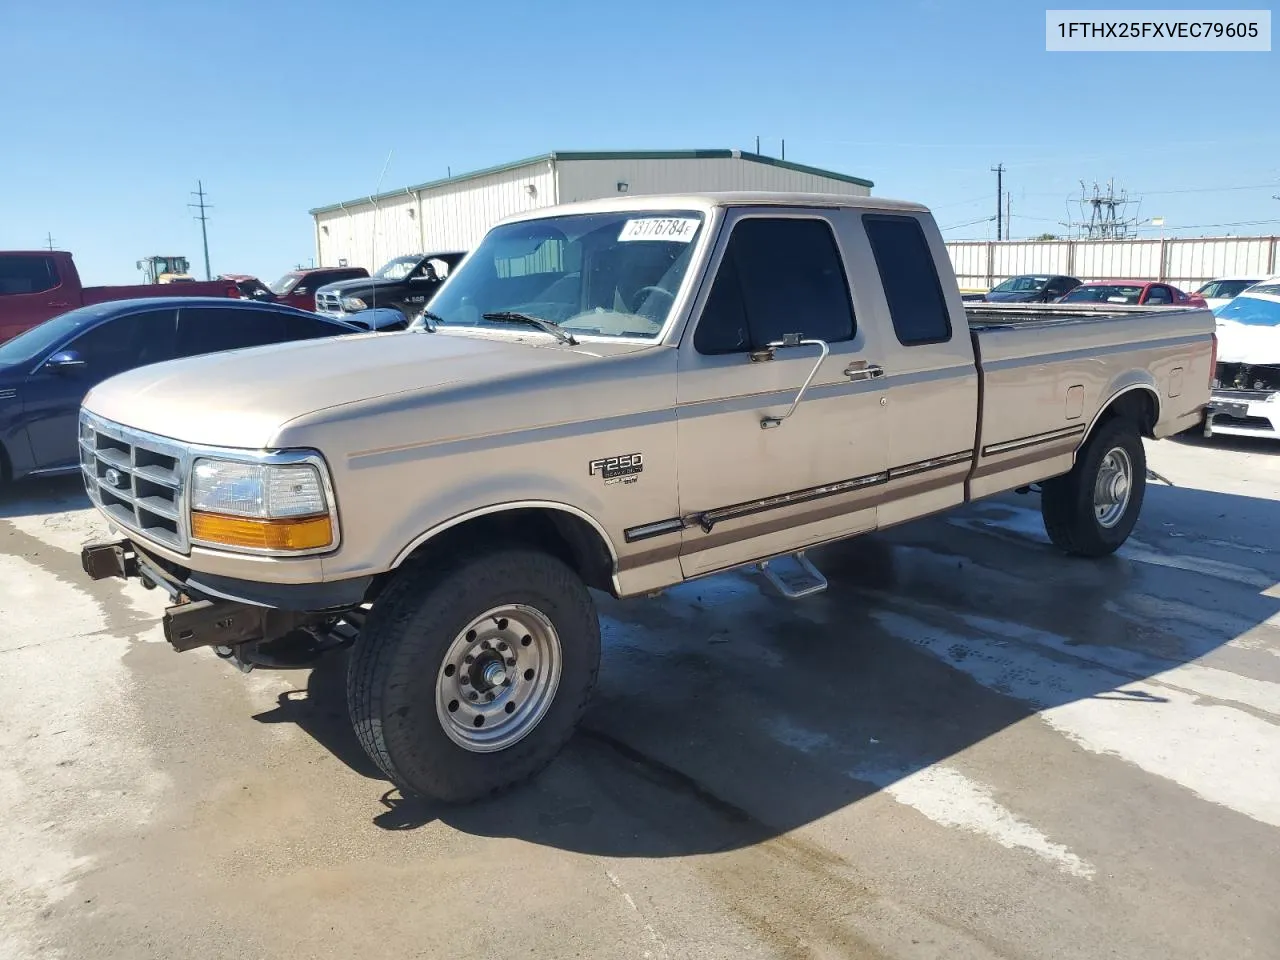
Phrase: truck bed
x=992 y=316
x=1045 y=371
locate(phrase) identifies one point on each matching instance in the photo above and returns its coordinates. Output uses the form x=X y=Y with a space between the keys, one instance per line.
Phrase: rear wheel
x=1091 y=511
x=469 y=679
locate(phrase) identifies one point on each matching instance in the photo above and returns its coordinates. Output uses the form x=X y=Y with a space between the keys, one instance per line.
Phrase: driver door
x=52 y=397
x=759 y=482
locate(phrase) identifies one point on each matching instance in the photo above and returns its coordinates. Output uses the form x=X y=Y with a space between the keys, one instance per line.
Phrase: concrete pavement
x=970 y=746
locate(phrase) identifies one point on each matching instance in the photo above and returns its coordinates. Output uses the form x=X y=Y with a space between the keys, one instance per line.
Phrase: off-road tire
x=1066 y=502
x=394 y=665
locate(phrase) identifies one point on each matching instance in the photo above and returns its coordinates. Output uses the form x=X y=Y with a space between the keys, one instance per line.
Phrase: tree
x=1048 y=236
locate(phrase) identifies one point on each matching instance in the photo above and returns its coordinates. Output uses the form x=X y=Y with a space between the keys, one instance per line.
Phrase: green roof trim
x=601 y=155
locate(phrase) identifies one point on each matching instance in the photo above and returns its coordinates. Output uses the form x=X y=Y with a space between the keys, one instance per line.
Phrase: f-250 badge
x=624 y=469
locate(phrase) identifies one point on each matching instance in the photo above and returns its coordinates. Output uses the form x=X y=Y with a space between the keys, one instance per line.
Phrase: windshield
x=1265 y=289
x=36 y=342
x=284 y=284
x=1250 y=310
x=1104 y=293
x=398 y=268
x=1224 y=289
x=600 y=274
x=1021 y=285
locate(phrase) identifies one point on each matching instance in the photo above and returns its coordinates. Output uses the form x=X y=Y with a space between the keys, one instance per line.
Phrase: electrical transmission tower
x=1104 y=216
x=204 y=230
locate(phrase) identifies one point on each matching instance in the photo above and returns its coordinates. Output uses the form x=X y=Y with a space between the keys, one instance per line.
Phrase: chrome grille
x=329 y=303
x=136 y=479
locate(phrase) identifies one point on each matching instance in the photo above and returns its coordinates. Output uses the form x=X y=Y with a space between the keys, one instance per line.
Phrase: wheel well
x=563 y=534
x=1138 y=405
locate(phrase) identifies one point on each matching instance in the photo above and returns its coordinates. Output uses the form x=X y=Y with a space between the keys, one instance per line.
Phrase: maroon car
x=1148 y=293
x=297 y=288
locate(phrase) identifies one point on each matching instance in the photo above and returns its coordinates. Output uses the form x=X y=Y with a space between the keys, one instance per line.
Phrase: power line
x=204 y=229
x=967 y=223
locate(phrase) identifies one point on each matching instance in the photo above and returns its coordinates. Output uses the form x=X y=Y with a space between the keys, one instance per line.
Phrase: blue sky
x=112 y=110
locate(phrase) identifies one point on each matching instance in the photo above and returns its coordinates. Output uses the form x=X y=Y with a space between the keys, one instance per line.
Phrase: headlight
x=262 y=507
x=353 y=304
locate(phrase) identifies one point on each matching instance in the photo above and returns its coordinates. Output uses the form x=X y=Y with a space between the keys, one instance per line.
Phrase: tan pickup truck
x=619 y=395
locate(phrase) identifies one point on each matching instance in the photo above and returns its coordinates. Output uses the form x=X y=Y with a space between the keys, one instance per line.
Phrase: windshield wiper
x=547 y=326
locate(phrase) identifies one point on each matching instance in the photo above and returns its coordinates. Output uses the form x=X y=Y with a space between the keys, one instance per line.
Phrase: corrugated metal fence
x=1184 y=262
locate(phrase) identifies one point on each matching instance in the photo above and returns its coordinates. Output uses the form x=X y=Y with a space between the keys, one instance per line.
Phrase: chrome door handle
x=862 y=370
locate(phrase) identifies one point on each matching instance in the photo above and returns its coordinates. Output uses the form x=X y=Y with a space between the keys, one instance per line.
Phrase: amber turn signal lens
x=294 y=533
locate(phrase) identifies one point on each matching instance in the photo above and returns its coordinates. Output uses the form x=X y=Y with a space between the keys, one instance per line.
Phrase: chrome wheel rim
x=1113 y=487
x=498 y=678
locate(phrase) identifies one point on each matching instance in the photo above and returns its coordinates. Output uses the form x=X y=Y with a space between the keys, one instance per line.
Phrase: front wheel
x=1091 y=511
x=468 y=680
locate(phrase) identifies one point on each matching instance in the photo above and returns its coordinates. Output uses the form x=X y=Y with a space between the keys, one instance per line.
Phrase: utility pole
x=1008 y=214
x=49 y=240
x=998 y=170
x=784 y=150
x=204 y=229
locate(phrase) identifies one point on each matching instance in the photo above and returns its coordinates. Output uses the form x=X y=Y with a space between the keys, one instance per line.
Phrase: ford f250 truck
x=36 y=285
x=619 y=395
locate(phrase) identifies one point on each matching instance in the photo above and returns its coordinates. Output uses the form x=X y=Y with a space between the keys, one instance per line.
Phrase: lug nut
x=502 y=647
x=484 y=645
x=469 y=658
x=473 y=695
x=511 y=661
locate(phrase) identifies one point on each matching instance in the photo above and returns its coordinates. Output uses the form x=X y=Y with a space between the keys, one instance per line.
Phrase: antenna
x=373 y=238
x=49 y=240
x=204 y=221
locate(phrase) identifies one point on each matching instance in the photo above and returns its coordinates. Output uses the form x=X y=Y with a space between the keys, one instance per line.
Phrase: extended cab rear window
x=910 y=279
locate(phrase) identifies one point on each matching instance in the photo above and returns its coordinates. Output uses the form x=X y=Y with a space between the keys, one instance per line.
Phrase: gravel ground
x=970 y=746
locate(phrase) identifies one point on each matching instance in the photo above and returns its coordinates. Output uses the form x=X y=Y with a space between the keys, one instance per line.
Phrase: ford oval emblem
x=112 y=476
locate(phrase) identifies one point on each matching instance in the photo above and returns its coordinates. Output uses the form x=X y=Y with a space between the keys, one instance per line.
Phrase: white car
x=1246 y=385
x=1220 y=292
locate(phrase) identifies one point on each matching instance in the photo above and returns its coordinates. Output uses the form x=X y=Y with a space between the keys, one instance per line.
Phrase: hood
x=243 y=398
x=1248 y=343
x=1025 y=296
x=355 y=285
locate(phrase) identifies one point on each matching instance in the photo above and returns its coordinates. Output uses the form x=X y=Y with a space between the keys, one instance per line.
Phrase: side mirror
x=64 y=361
x=767 y=352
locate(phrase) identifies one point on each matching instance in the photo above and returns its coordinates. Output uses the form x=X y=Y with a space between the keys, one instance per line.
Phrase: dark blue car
x=46 y=371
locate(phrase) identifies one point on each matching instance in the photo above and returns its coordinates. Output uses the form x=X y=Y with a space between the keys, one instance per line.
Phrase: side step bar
x=799 y=578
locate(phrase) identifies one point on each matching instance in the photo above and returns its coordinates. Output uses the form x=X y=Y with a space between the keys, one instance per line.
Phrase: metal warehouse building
x=452 y=214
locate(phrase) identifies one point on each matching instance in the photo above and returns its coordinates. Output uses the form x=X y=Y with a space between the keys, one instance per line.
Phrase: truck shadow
x=726 y=716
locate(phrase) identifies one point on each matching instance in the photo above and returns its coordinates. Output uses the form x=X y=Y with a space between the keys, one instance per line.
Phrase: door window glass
x=777 y=276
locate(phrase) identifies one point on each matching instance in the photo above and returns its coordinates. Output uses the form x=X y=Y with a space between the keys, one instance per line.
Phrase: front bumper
x=1242 y=416
x=209 y=610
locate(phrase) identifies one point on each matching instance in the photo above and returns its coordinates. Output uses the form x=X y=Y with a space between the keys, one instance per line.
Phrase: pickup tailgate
x=1045 y=374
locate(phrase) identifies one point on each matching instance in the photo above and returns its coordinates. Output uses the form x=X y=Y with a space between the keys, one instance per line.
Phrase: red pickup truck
x=38 y=284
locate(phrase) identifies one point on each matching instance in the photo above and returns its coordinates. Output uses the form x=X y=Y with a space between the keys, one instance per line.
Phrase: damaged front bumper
x=1243 y=413
x=274 y=625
